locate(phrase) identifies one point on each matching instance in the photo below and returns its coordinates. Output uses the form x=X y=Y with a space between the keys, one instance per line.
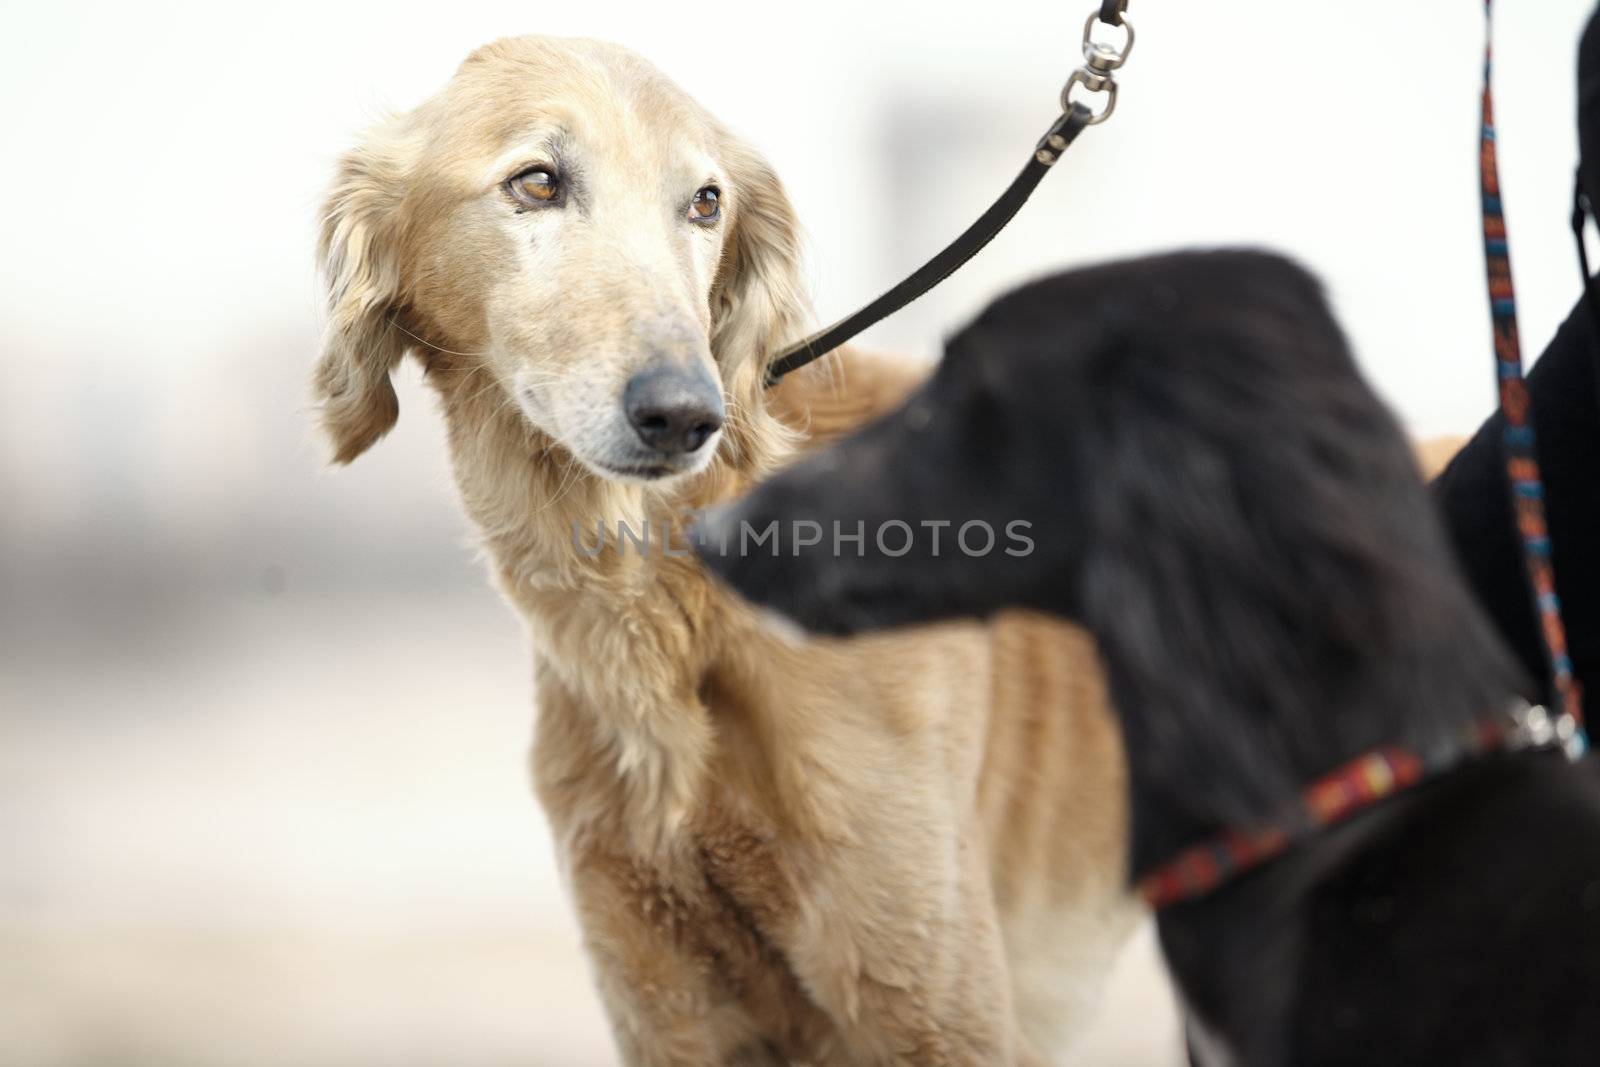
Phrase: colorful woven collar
x=1345 y=791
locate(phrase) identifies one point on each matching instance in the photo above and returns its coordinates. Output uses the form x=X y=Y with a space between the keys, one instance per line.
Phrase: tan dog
x=906 y=849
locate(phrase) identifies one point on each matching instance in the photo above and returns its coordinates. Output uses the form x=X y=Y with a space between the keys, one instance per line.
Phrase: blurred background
x=263 y=796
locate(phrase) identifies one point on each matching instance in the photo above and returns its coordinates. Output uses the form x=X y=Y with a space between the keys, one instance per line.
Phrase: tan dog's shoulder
x=832 y=397
x=1435 y=453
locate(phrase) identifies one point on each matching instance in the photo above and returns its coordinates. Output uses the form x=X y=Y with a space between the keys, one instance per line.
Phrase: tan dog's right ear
x=758 y=303
x=361 y=269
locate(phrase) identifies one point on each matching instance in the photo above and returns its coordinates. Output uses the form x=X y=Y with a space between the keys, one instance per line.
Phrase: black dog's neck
x=1239 y=680
x=1250 y=931
x=1259 y=749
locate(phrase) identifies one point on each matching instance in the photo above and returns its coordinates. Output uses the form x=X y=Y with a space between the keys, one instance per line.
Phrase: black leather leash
x=1095 y=76
x=1062 y=133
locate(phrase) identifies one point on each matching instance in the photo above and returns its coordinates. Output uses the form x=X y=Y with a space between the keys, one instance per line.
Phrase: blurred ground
x=292 y=830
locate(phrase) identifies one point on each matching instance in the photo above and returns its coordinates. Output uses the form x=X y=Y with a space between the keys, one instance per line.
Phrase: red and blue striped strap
x=1522 y=463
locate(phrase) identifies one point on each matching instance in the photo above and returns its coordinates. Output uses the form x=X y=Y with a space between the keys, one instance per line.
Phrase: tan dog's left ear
x=360 y=265
x=758 y=304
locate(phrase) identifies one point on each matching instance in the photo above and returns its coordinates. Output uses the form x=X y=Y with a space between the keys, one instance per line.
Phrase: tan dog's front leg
x=920 y=979
x=662 y=996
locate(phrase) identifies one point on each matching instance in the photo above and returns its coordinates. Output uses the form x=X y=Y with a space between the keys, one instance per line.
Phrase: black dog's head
x=1108 y=410
x=1205 y=481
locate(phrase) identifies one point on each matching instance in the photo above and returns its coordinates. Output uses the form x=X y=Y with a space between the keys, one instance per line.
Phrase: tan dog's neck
x=619 y=631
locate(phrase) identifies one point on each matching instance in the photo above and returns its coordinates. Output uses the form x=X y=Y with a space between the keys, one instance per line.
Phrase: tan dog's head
x=567 y=219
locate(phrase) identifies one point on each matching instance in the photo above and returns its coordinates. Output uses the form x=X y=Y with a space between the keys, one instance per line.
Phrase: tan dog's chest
x=700 y=923
x=741 y=907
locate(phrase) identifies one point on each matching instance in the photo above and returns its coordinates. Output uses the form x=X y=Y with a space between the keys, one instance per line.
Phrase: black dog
x=1211 y=488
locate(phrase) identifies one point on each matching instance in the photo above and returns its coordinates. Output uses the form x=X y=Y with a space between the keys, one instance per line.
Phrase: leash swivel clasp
x=1100 y=61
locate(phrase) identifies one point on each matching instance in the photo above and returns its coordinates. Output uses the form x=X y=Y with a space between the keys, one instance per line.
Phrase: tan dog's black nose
x=673 y=409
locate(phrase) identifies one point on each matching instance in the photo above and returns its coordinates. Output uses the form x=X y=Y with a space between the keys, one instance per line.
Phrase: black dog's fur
x=1220 y=498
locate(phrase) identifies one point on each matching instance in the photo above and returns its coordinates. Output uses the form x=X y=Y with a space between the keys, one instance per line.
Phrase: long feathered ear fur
x=359 y=257
x=758 y=304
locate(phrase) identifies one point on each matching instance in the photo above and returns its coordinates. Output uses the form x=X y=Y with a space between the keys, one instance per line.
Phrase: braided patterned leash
x=1522 y=464
x=1384 y=772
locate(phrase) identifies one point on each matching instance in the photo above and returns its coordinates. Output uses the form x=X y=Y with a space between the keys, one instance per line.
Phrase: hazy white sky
x=164 y=163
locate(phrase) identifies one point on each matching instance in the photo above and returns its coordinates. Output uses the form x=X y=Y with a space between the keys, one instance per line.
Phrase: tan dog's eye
x=537 y=187
x=706 y=205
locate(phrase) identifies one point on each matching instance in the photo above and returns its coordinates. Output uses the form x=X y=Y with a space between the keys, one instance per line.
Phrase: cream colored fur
x=904 y=849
